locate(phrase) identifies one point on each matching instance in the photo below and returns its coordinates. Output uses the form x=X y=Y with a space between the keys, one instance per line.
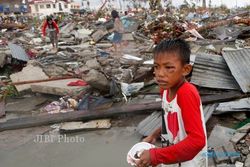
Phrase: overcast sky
x=228 y=3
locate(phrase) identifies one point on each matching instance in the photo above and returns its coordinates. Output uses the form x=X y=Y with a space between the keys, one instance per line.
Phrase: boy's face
x=169 y=70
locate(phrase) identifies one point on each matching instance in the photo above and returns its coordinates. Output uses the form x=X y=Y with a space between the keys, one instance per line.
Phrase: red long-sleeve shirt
x=189 y=104
x=45 y=25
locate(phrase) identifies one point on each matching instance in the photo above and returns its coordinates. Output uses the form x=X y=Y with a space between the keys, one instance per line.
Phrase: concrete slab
x=237 y=137
x=58 y=87
x=29 y=73
x=220 y=136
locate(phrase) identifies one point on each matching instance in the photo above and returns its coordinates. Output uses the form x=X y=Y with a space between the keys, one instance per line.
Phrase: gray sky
x=228 y=3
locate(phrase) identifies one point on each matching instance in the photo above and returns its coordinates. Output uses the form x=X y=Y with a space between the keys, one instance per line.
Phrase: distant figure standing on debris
x=53 y=31
x=118 y=30
x=183 y=132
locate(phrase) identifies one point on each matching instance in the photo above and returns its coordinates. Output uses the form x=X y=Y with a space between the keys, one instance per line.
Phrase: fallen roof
x=211 y=71
x=238 y=62
x=233 y=106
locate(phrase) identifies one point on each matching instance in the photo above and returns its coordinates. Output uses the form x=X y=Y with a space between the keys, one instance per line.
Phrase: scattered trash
x=129 y=89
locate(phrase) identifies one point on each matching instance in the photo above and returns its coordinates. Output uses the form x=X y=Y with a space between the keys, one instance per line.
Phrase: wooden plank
x=90 y=125
x=78 y=116
x=99 y=114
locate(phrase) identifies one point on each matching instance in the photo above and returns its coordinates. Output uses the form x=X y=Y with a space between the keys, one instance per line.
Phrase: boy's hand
x=144 y=159
x=150 y=139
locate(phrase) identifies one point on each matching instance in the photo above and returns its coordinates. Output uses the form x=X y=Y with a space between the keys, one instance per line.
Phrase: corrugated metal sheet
x=233 y=106
x=153 y=121
x=238 y=61
x=211 y=71
x=18 y=52
x=150 y=124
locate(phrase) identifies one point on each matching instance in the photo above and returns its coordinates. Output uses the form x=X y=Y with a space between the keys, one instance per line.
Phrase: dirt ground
x=26 y=147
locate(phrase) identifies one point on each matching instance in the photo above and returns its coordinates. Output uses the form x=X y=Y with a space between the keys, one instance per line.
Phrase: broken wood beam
x=12 y=26
x=47 y=119
x=223 y=22
x=87 y=115
x=217 y=24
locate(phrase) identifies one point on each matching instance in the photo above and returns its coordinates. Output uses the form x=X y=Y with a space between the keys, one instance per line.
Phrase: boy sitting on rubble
x=53 y=31
x=183 y=127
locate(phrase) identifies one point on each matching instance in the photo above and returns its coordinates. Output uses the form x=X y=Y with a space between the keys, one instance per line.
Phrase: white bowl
x=137 y=148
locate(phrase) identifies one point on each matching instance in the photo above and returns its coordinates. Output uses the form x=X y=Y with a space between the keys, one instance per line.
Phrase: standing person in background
x=53 y=31
x=118 y=30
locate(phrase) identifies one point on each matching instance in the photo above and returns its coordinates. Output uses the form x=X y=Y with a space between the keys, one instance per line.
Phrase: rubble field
x=85 y=85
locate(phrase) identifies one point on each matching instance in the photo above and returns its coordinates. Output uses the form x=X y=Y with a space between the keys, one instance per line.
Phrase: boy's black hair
x=178 y=46
x=115 y=14
x=49 y=18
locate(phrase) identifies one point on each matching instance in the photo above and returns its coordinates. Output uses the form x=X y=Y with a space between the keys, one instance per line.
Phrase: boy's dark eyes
x=166 y=67
x=169 y=67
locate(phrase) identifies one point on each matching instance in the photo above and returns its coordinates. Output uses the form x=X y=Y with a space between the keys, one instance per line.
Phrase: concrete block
x=29 y=73
x=237 y=137
x=97 y=80
x=93 y=64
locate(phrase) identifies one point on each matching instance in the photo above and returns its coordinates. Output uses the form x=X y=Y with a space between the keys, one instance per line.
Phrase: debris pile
x=90 y=81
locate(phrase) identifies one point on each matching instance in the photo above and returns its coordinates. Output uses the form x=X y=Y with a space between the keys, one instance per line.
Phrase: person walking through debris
x=183 y=134
x=53 y=31
x=118 y=30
